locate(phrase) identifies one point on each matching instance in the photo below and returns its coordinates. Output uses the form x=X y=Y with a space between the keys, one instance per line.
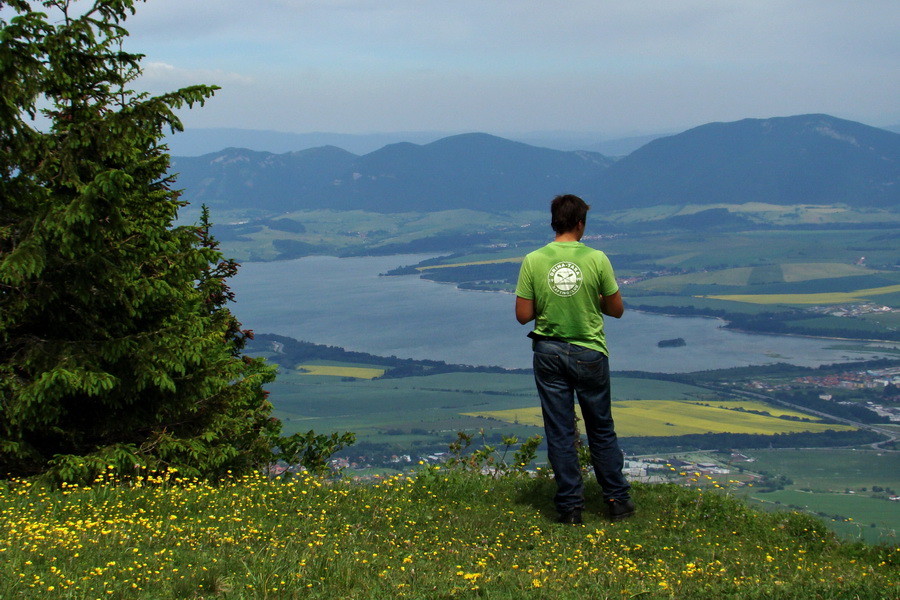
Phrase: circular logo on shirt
x=564 y=278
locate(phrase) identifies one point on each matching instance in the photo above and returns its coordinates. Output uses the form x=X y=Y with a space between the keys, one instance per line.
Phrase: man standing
x=566 y=288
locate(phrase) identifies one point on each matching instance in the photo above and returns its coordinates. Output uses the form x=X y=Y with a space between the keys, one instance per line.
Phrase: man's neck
x=573 y=235
x=568 y=237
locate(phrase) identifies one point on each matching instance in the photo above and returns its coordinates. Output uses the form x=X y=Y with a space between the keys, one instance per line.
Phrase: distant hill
x=237 y=177
x=583 y=141
x=814 y=159
x=807 y=159
x=200 y=141
x=475 y=170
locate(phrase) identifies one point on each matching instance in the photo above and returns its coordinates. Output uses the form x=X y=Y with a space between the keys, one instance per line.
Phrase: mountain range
x=804 y=159
x=813 y=159
x=199 y=141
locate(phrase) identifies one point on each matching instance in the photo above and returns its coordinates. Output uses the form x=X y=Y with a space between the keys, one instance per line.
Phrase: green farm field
x=855 y=297
x=431 y=409
x=759 y=248
x=833 y=470
x=370 y=408
x=747 y=276
x=341 y=233
x=889 y=320
x=774 y=214
x=852 y=516
x=435 y=403
x=836 y=485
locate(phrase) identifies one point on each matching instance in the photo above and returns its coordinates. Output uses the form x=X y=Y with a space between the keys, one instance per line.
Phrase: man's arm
x=524 y=310
x=609 y=305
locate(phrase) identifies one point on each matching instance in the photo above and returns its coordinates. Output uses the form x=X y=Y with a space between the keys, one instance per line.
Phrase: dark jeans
x=563 y=371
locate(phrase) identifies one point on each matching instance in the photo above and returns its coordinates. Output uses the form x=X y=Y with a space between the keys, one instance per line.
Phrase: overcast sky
x=612 y=67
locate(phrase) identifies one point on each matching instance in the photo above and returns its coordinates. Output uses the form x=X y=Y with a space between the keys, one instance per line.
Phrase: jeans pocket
x=547 y=366
x=593 y=372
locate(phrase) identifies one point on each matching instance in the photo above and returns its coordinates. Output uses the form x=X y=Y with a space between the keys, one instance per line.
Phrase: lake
x=345 y=302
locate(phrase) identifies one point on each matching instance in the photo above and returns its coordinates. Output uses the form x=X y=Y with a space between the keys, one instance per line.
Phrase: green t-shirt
x=566 y=280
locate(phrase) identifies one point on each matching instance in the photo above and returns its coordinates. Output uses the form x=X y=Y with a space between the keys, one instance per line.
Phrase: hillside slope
x=240 y=178
x=815 y=159
x=475 y=171
x=441 y=534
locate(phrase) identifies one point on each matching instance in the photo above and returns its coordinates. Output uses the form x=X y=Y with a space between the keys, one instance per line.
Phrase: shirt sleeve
x=608 y=285
x=524 y=287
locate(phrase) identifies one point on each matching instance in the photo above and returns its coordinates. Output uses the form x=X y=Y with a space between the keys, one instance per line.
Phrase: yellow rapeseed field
x=340 y=371
x=638 y=418
x=516 y=259
x=817 y=298
x=750 y=405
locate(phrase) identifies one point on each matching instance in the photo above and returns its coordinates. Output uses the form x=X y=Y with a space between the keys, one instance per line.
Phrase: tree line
x=292 y=352
x=727 y=441
x=786 y=322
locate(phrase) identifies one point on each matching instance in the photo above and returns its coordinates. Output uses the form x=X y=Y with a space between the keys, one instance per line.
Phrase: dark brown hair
x=566 y=212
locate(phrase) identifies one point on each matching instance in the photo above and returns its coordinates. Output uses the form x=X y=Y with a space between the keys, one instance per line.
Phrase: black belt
x=545 y=338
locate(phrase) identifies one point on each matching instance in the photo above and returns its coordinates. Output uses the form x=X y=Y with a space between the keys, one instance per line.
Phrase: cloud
x=526 y=64
x=162 y=77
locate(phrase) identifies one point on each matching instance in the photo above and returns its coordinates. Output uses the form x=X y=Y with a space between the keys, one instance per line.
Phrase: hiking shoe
x=572 y=517
x=620 y=509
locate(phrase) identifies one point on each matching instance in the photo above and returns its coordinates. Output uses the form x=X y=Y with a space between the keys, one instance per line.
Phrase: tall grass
x=434 y=534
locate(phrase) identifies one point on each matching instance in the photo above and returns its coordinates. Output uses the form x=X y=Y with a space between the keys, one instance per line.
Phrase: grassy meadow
x=846 y=488
x=434 y=533
x=833 y=470
x=858 y=517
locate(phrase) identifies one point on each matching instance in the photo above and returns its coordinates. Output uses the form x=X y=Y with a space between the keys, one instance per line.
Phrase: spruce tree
x=116 y=344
